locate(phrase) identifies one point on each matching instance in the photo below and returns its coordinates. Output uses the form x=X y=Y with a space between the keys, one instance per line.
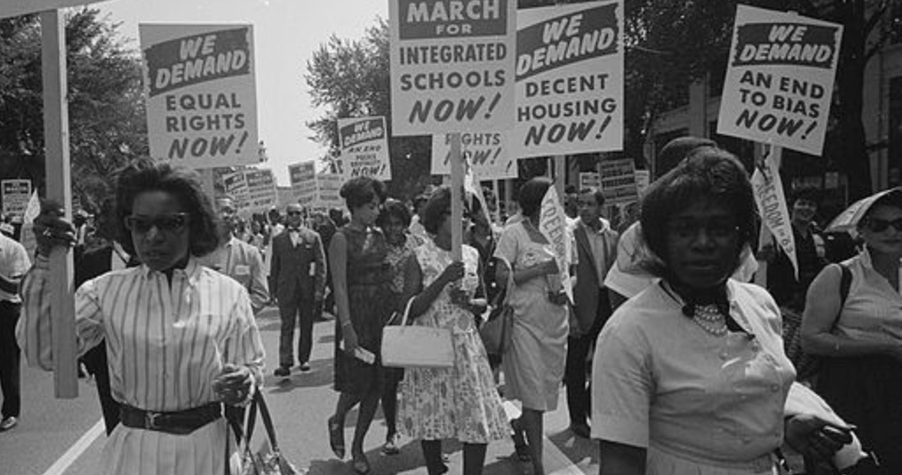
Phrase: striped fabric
x=165 y=343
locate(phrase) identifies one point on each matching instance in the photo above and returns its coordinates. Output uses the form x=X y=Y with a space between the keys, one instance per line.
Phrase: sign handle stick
x=59 y=189
x=560 y=175
x=496 y=190
x=457 y=188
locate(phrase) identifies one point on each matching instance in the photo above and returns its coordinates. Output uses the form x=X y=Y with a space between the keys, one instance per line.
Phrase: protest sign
x=643 y=180
x=261 y=190
x=328 y=186
x=15 y=195
x=772 y=206
x=588 y=180
x=452 y=65
x=553 y=225
x=618 y=181
x=303 y=180
x=364 y=148
x=486 y=152
x=201 y=96
x=779 y=81
x=234 y=184
x=569 y=79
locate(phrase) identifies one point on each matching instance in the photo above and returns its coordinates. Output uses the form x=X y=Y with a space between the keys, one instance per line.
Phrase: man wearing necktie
x=298 y=271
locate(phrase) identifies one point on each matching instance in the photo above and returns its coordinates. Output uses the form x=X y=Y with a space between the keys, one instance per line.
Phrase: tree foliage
x=106 y=110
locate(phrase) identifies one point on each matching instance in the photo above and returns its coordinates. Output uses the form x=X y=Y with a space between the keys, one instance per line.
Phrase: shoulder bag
x=496 y=330
x=415 y=346
x=267 y=460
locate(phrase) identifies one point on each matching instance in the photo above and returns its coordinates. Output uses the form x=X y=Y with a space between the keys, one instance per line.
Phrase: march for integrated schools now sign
x=452 y=65
x=569 y=90
x=201 y=96
x=364 y=148
x=779 y=81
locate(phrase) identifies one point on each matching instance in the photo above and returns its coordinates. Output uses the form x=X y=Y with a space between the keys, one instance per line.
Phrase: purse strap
x=510 y=279
x=406 y=311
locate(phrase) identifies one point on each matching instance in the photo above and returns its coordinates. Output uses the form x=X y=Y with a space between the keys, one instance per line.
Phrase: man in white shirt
x=14 y=263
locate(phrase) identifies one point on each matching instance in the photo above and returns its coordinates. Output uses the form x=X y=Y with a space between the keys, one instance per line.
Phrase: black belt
x=176 y=422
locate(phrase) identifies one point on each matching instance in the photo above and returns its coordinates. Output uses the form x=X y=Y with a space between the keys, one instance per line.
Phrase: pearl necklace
x=709 y=318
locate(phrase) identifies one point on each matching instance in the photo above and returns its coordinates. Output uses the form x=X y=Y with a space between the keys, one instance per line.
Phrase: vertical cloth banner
x=487 y=152
x=15 y=196
x=201 y=95
x=618 y=181
x=569 y=92
x=452 y=65
x=553 y=225
x=303 y=182
x=779 y=80
x=364 y=148
x=772 y=206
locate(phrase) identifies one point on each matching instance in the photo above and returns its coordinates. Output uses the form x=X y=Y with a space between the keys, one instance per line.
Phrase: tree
x=106 y=108
x=350 y=78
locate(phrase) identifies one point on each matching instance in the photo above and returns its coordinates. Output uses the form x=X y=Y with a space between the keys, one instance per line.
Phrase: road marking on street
x=62 y=464
x=555 y=456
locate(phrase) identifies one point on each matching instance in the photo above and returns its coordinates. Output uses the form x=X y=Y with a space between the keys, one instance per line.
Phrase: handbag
x=267 y=460
x=416 y=346
x=807 y=365
x=496 y=330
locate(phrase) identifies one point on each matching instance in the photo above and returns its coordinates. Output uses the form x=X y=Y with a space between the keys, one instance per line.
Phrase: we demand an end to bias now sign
x=201 y=94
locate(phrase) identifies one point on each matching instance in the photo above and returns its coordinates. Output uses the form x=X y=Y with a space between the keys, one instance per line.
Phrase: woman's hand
x=349 y=337
x=51 y=229
x=452 y=273
x=548 y=267
x=812 y=436
x=233 y=385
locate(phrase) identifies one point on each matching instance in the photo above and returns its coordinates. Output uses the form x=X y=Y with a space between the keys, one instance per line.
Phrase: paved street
x=67 y=434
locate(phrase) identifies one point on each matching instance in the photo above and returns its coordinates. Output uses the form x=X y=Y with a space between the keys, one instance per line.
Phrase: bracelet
x=346 y=324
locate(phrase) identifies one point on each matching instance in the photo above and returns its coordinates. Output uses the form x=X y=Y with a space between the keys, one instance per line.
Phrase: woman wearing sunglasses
x=180 y=338
x=861 y=341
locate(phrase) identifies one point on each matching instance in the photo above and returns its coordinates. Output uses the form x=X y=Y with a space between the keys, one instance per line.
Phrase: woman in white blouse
x=181 y=339
x=861 y=340
x=689 y=375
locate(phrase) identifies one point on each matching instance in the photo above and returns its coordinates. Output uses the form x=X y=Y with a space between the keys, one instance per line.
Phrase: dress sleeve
x=622 y=387
x=244 y=347
x=34 y=331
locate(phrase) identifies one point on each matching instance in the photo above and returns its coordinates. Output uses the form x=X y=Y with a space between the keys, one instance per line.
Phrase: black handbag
x=267 y=460
x=496 y=330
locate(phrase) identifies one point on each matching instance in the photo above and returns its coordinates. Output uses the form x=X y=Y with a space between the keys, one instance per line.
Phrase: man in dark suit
x=108 y=256
x=596 y=244
x=298 y=272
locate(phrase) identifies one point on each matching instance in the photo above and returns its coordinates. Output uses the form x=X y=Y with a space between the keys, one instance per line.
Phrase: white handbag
x=415 y=346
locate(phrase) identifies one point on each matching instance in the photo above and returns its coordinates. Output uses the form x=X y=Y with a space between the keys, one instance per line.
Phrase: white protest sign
x=618 y=181
x=485 y=151
x=452 y=65
x=235 y=185
x=643 y=180
x=779 y=81
x=553 y=225
x=303 y=181
x=328 y=187
x=588 y=180
x=15 y=196
x=569 y=79
x=772 y=206
x=201 y=95
x=364 y=148
x=261 y=190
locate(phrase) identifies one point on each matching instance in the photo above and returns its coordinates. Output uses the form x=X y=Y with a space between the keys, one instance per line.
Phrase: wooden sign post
x=457 y=198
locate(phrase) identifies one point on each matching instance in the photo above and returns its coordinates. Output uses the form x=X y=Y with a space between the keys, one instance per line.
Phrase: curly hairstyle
x=709 y=174
x=144 y=175
x=531 y=194
x=393 y=208
x=438 y=206
x=361 y=190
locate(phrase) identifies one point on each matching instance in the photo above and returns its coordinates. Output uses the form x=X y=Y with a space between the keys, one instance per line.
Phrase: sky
x=286 y=32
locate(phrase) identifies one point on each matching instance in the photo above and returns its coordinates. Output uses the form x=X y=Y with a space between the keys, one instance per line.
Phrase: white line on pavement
x=557 y=457
x=71 y=455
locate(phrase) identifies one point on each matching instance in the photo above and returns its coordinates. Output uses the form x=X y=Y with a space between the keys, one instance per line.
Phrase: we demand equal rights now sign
x=452 y=65
x=779 y=81
x=201 y=96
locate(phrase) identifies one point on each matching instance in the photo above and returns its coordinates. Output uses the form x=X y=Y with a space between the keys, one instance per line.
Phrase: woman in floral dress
x=459 y=402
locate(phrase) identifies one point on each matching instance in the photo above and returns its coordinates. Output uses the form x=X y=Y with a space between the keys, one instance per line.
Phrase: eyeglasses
x=879 y=225
x=168 y=223
x=294 y=213
x=684 y=230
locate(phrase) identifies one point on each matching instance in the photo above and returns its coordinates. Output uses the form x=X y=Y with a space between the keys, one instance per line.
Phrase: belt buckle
x=150 y=420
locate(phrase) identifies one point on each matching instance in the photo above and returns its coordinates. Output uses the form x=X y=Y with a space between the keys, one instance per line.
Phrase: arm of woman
x=424 y=299
x=338 y=265
x=620 y=459
x=508 y=249
x=822 y=307
x=242 y=372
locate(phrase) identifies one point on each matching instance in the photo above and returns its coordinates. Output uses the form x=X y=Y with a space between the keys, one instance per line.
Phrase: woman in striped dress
x=181 y=338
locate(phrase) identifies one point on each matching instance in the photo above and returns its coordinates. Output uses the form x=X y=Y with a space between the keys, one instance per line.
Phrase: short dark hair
x=531 y=194
x=144 y=175
x=362 y=190
x=596 y=192
x=438 y=206
x=678 y=149
x=708 y=173
x=393 y=208
x=808 y=193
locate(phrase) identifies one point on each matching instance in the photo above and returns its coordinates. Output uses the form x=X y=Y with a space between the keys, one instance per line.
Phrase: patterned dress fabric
x=459 y=402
